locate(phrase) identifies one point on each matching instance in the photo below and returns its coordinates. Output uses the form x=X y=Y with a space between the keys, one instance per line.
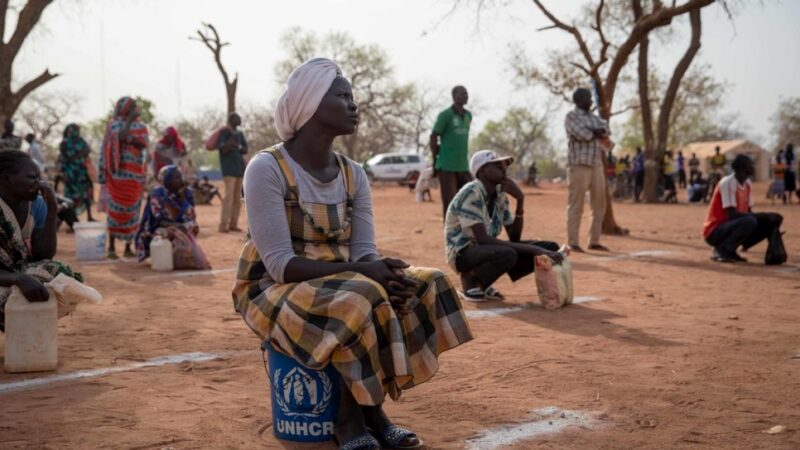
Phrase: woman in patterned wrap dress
x=310 y=280
x=122 y=171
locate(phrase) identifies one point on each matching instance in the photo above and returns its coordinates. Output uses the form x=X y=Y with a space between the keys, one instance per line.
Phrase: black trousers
x=487 y=263
x=746 y=231
x=449 y=185
x=638 y=184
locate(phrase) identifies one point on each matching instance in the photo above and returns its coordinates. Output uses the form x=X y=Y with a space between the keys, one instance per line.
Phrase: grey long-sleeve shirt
x=265 y=191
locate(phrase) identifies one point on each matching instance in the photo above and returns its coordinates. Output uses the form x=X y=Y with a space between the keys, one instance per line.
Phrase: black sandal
x=393 y=435
x=365 y=441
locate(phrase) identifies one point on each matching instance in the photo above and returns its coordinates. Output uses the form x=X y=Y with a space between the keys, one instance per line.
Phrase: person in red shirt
x=731 y=222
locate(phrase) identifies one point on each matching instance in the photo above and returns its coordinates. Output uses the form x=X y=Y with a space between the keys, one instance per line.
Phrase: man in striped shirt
x=585 y=133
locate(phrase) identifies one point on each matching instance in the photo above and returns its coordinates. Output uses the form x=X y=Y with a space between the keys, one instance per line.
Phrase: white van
x=394 y=166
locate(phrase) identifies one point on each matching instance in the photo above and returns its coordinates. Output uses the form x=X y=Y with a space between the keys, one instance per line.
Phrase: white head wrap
x=305 y=88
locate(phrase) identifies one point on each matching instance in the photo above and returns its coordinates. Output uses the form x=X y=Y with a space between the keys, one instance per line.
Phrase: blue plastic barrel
x=304 y=401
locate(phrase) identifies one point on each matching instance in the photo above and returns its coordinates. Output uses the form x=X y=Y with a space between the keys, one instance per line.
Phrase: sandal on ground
x=473 y=295
x=599 y=247
x=393 y=436
x=128 y=253
x=364 y=441
x=112 y=255
x=494 y=294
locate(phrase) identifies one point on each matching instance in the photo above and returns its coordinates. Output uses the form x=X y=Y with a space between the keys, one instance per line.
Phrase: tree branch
x=3 y=11
x=604 y=44
x=215 y=44
x=625 y=109
x=31 y=85
x=27 y=19
x=569 y=29
x=648 y=22
x=583 y=68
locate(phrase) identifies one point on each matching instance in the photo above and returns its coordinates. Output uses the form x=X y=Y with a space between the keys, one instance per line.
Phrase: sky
x=106 y=49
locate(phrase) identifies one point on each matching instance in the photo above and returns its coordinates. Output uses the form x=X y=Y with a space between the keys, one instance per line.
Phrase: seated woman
x=310 y=279
x=169 y=213
x=28 y=223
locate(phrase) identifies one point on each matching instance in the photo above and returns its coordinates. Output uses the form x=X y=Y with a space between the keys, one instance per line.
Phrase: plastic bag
x=554 y=281
x=776 y=252
x=213 y=140
x=71 y=292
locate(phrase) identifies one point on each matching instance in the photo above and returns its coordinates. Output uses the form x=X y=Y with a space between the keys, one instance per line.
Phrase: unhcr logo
x=302 y=395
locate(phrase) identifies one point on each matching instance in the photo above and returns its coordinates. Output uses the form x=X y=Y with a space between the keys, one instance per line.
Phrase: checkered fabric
x=346 y=319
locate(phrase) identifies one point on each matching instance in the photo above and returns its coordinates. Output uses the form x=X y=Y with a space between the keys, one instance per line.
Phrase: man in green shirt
x=232 y=147
x=450 y=156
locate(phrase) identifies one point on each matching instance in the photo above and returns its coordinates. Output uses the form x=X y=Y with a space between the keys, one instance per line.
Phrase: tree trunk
x=610 y=225
x=664 y=115
x=643 y=71
x=230 y=90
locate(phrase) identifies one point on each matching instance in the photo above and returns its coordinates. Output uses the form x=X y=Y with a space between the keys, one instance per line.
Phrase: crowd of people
x=310 y=279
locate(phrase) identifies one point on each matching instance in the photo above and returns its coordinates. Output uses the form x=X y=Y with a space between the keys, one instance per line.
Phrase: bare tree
x=45 y=113
x=208 y=35
x=27 y=19
x=604 y=65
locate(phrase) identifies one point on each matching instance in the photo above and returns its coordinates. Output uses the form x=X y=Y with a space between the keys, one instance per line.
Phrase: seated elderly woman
x=310 y=279
x=169 y=213
x=28 y=240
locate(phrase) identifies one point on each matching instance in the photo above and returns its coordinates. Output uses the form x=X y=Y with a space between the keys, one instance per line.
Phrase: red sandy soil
x=680 y=353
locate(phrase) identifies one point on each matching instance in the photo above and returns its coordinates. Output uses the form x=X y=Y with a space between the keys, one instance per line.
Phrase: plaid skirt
x=347 y=320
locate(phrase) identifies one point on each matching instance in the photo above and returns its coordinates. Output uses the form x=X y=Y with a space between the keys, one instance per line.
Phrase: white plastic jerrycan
x=161 y=254
x=31 y=334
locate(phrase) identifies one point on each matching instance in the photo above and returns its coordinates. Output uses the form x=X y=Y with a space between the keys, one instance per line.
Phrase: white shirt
x=728 y=186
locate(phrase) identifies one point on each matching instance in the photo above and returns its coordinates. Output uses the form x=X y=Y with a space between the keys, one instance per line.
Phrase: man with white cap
x=475 y=218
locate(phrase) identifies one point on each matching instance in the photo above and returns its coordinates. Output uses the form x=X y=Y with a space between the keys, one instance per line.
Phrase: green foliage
x=519 y=134
x=786 y=122
x=696 y=114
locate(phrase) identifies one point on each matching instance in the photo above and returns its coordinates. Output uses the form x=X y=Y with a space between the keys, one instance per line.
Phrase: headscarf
x=123 y=108
x=167 y=173
x=172 y=138
x=305 y=88
x=72 y=131
x=111 y=149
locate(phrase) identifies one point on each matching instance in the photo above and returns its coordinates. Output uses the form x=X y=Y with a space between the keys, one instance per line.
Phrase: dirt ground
x=678 y=352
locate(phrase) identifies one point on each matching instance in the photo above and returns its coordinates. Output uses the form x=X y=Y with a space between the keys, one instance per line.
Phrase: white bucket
x=90 y=241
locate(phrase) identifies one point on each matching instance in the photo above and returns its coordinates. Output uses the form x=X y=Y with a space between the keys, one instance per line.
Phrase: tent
x=705 y=150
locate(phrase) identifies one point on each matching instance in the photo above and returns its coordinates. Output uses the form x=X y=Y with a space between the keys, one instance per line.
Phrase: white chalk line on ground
x=495 y=312
x=632 y=255
x=548 y=420
x=106 y=261
x=34 y=383
x=190 y=273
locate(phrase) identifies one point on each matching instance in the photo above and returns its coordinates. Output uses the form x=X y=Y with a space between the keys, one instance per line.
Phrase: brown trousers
x=449 y=185
x=582 y=179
